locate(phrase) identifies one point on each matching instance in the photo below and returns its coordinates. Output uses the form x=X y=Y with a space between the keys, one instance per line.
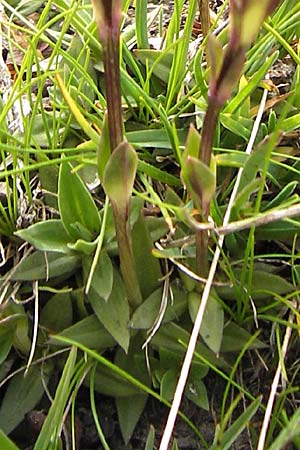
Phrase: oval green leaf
x=47 y=236
x=76 y=205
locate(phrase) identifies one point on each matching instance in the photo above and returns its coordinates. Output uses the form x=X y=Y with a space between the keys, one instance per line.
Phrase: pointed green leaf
x=175 y=445
x=21 y=340
x=264 y=283
x=84 y=124
x=213 y=321
x=14 y=330
x=158 y=174
x=57 y=314
x=43 y=266
x=6 y=341
x=128 y=421
x=196 y=392
x=119 y=174
x=151 y=137
x=22 y=394
x=170 y=333
x=245 y=108
x=199 y=180
x=281 y=230
x=89 y=332
x=168 y=384
x=114 y=314
x=235 y=338
x=243 y=197
x=49 y=235
x=146 y=314
x=192 y=144
x=147 y=266
x=102 y=281
x=254 y=163
x=240 y=126
x=112 y=384
x=284 y=194
x=290 y=123
x=76 y=204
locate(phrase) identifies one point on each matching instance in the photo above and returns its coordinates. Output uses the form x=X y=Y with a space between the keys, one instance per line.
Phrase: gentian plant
x=117 y=160
x=226 y=65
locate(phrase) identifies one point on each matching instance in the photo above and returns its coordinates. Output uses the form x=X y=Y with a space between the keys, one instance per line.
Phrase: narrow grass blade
x=55 y=414
x=237 y=427
x=87 y=128
x=141 y=24
x=288 y=433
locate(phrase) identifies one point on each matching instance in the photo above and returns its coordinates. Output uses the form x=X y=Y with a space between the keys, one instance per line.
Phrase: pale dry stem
x=35 y=325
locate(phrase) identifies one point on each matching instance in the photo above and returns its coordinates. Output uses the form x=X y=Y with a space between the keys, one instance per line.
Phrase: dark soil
x=155 y=414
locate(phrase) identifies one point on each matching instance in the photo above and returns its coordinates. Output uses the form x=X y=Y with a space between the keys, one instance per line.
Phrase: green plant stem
x=205 y=149
x=201 y=239
x=127 y=261
x=112 y=87
x=208 y=131
x=109 y=34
